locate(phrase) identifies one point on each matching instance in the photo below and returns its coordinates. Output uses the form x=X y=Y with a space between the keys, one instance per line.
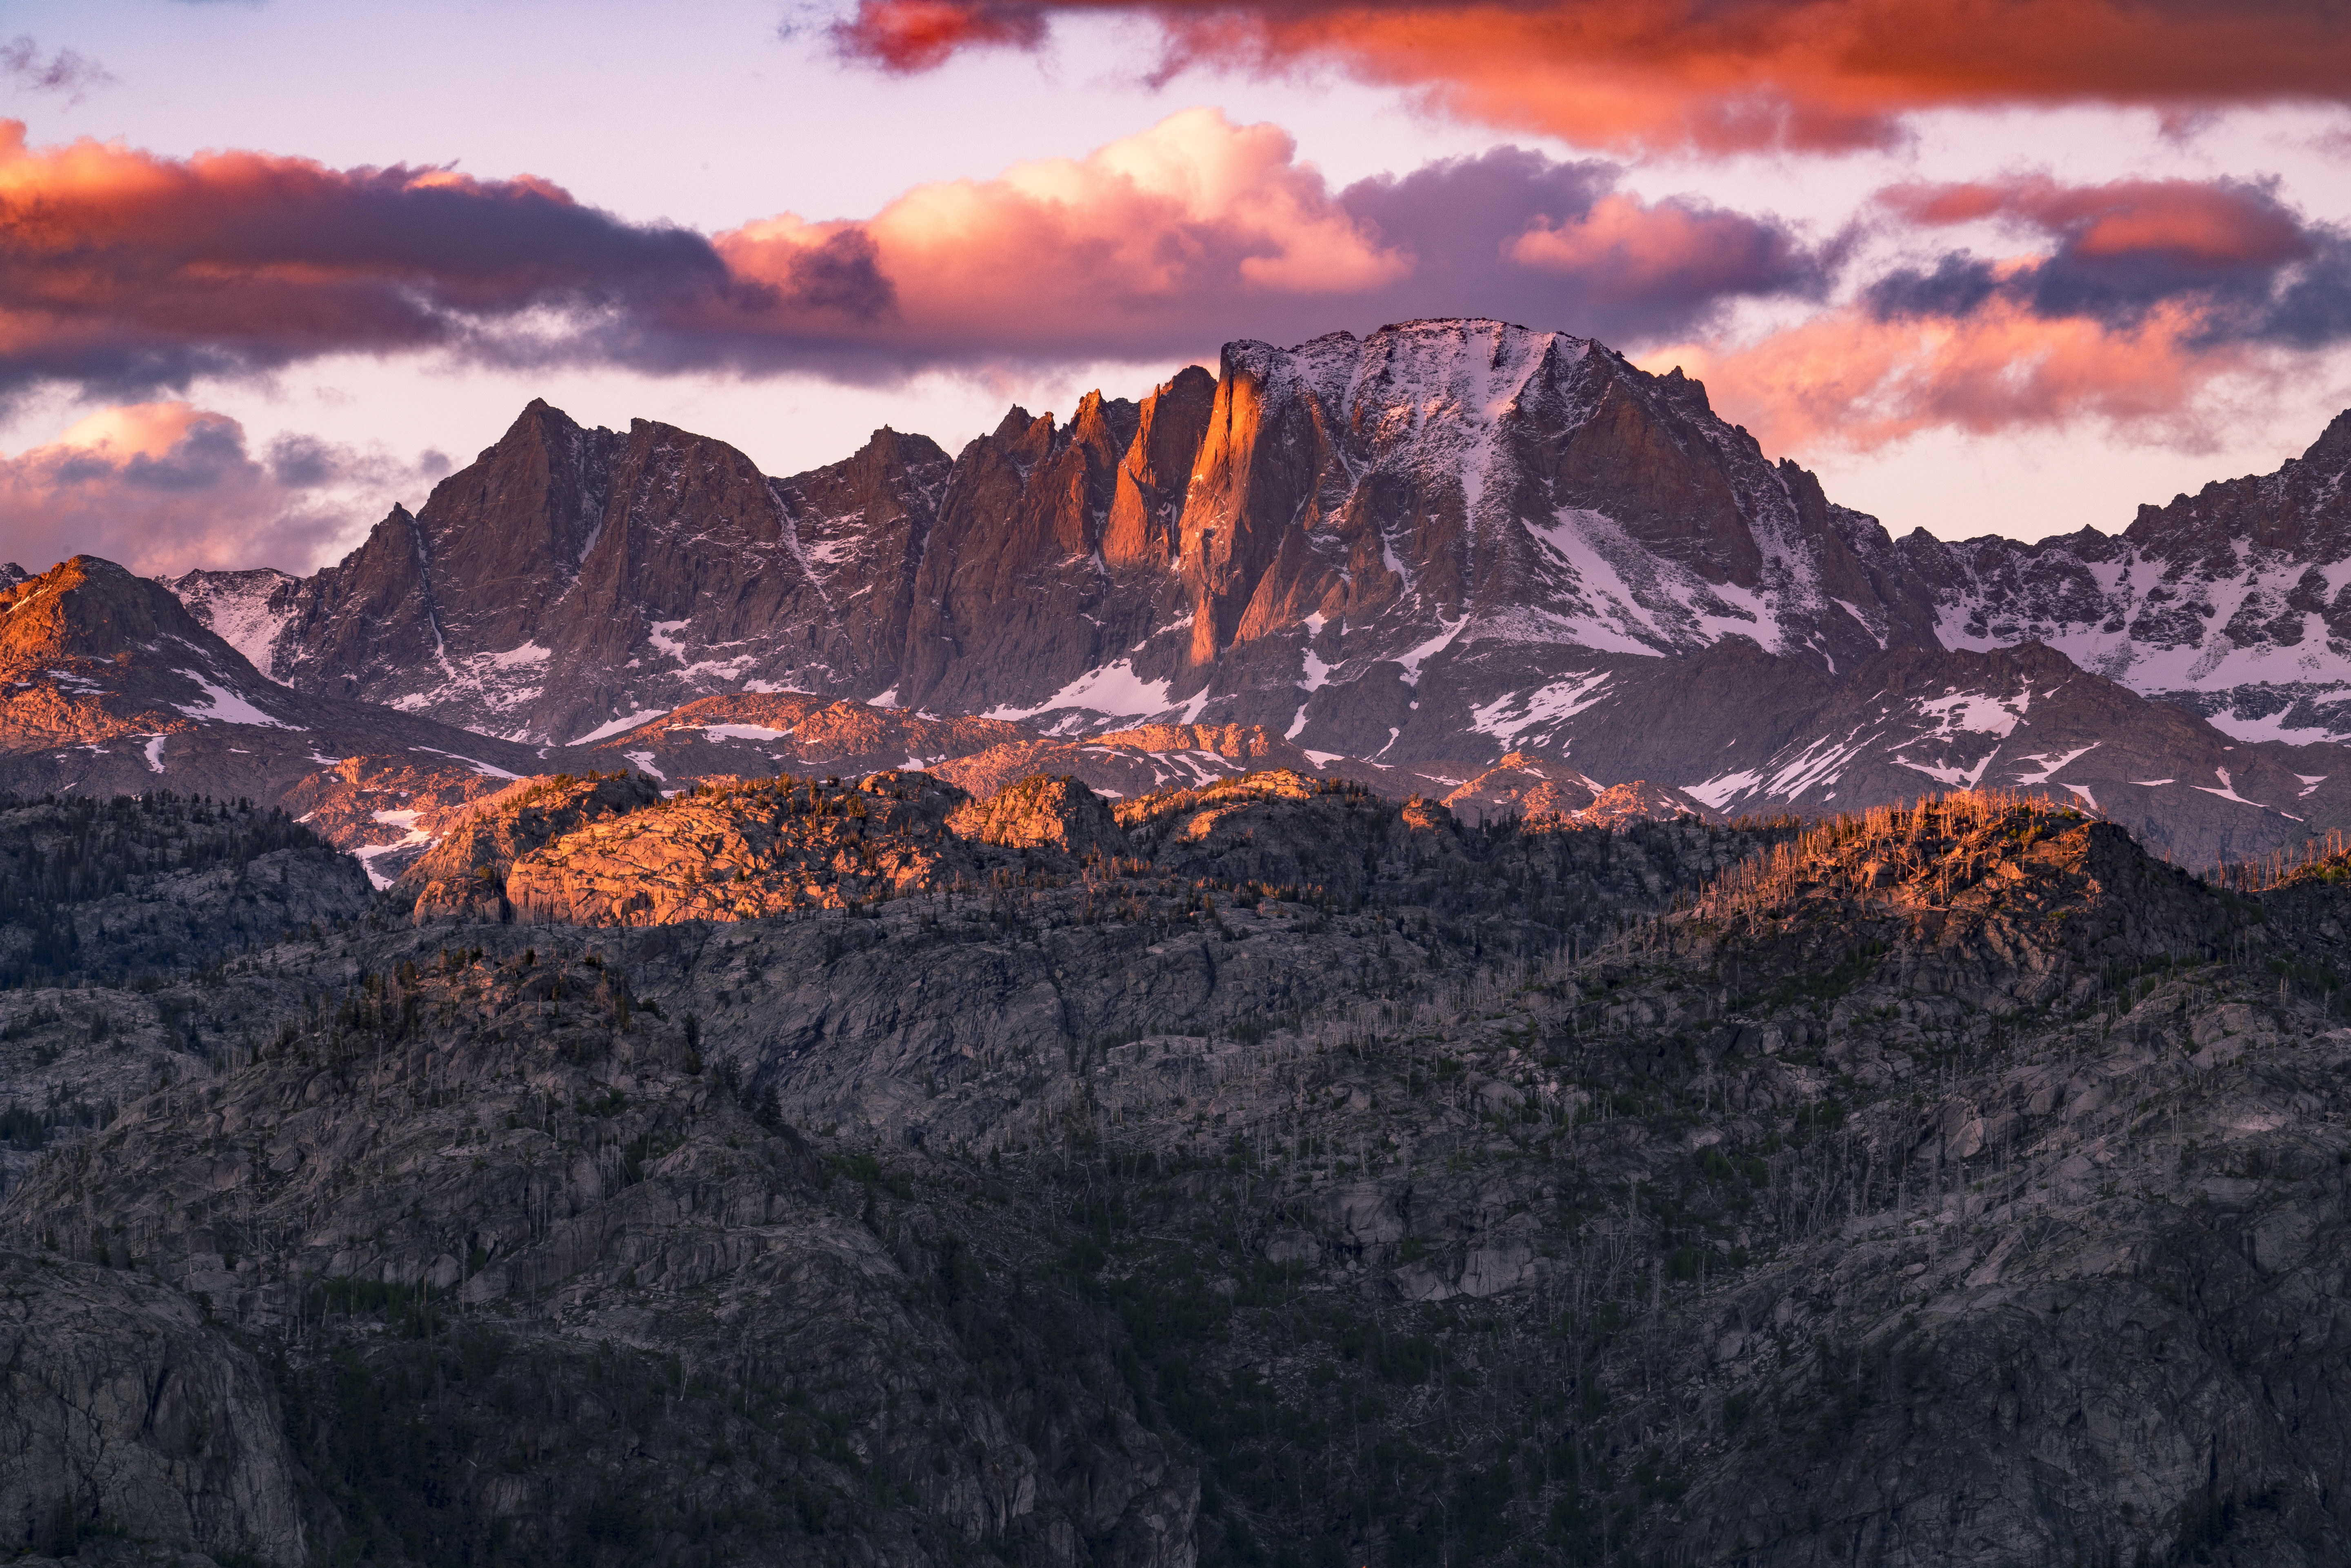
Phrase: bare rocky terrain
x=1258 y=1172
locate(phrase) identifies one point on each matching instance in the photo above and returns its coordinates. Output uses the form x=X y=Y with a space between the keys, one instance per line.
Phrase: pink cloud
x=164 y=487
x=1199 y=230
x=128 y=271
x=1852 y=379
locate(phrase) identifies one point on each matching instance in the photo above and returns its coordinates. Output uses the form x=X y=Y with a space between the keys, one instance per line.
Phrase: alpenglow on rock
x=1317 y=518
x=1423 y=549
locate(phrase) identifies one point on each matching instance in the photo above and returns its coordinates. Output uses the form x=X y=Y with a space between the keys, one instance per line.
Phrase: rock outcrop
x=125 y=1412
x=1042 y=813
x=466 y=872
x=747 y=850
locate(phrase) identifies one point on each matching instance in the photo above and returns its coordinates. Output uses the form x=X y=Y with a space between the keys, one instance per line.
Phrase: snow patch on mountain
x=1974 y=712
x=1113 y=689
x=1511 y=714
x=487 y=770
x=2053 y=763
x=614 y=726
x=225 y=706
x=1724 y=788
x=235 y=607
x=739 y=731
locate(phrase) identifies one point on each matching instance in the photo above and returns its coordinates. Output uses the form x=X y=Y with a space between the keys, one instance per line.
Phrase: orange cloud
x=917 y=35
x=1712 y=73
x=2213 y=222
x=1081 y=257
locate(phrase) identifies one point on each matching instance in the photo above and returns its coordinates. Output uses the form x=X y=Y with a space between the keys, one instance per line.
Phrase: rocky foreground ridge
x=1263 y=1172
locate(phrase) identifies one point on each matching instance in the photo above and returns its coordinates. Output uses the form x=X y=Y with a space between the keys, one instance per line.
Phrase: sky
x=1987 y=266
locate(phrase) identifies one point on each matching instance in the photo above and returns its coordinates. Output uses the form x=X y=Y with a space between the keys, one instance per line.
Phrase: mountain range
x=1398 y=558
x=1313 y=970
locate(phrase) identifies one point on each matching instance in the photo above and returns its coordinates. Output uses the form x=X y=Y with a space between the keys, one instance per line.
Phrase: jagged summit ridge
x=1426 y=548
x=1378 y=499
x=2235 y=602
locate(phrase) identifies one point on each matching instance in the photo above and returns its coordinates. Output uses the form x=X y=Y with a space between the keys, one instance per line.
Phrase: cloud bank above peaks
x=1830 y=75
x=129 y=273
x=129 y=277
x=1198 y=231
x=2135 y=300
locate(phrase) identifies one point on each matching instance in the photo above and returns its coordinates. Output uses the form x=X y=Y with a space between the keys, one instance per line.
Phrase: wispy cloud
x=65 y=72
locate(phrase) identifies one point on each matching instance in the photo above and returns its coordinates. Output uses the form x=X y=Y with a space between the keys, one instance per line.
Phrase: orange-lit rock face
x=69 y=670
x=1058 y=813
x=467 y=871
x=609 y=852
x=738 y=853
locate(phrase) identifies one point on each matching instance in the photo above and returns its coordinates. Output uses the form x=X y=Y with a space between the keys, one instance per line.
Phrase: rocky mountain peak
x=90 y=608
x=2331 y=450
x=887 y=449
x=1156 y=475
